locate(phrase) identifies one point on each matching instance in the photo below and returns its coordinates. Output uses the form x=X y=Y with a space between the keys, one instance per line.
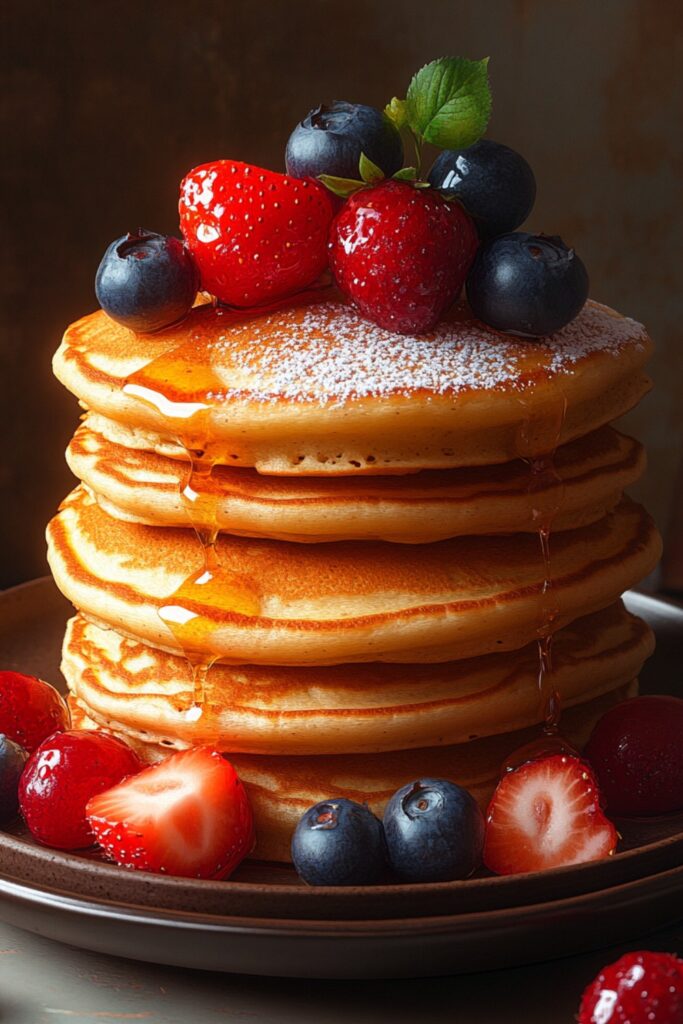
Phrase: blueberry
x=330 y=140
x=339 y=842
x=146 y=281
x=531 y=285
x=434 y=832
x=12 y=761
x=493 y=182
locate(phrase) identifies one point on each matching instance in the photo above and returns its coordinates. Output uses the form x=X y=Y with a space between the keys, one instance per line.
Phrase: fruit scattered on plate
x=339 y=842
x=12 y=761
x=434 y=832
x=188 y=815
x=546 y=814
x=61 y=775
x=30 y=709
x=636 y=752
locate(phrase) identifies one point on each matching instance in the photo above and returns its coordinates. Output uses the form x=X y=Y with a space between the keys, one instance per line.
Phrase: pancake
x=313 y=388
x=271 y=602
x=346 y=709
x=587 y=479
x=282 y=788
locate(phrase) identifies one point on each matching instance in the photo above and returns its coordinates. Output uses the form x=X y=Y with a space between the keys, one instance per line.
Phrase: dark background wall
x=105 y=105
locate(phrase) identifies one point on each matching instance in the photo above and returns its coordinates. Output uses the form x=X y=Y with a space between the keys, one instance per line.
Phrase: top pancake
x=257 y=389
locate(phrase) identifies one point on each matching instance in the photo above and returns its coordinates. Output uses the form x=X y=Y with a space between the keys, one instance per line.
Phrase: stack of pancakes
x=338 y=554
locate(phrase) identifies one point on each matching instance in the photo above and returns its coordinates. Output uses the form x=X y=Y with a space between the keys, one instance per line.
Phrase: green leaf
x=405 y=174
x=342 y=187
x=369 y=172
x=396 y=111
x=449 y=102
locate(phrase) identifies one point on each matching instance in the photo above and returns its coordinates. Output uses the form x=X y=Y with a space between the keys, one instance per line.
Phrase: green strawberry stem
x=417 y=145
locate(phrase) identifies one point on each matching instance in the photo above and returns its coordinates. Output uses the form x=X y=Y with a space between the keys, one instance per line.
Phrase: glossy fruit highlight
x=256 y=236
x=401 y=254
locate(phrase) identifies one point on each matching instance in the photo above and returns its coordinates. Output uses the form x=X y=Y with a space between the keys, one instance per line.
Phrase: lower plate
x=263 y=922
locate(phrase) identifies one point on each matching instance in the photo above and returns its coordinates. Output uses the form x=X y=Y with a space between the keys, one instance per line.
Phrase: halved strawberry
x=255 y=235
x=188 y=816
x=546 y=814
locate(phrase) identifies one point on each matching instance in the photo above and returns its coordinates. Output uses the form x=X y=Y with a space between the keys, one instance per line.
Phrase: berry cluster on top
x=399 y=246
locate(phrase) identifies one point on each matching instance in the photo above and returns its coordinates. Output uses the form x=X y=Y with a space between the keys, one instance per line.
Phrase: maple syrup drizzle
x=546 y=489
x=190 y=612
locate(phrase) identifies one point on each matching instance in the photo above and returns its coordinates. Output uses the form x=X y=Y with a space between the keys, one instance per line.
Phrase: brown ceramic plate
x=263 y=922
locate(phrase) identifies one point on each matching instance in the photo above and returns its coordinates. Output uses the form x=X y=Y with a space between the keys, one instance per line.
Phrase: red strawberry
x=401 y=254
x=637 y=754
x=640 y=988
x=60 y=778
x=30 y=709
x=256 y=236
x=546 y=814
x=188 y=815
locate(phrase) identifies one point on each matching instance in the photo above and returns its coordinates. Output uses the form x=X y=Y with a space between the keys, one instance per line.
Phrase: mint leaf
x=449 y=102
x=342 y=187
x=369 y=172
x=396 y=111
x=406 y=174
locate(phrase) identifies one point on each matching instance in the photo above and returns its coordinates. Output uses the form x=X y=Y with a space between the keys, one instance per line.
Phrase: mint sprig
x=448 y=102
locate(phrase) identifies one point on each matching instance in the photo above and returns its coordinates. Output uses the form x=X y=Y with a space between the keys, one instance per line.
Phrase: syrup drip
x=546 y=489
x=192 y=611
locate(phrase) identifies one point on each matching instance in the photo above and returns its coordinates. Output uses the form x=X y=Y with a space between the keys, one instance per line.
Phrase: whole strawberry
x=401 y=254
x=30 y=709
x=61 y=775
x=640 y=988
x=256 y=236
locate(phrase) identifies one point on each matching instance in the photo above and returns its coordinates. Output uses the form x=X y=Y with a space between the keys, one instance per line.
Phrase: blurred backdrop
x=105 y=105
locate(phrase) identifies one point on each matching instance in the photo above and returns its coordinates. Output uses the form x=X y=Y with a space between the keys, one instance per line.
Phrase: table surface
x=42 y=982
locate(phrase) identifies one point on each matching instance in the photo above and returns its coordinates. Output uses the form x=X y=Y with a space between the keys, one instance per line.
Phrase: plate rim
x=313 y=927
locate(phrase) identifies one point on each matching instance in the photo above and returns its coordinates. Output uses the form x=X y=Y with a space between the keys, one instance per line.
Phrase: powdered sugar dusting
x=328 y=354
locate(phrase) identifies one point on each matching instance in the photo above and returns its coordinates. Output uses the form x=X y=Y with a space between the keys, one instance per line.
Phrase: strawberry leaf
x=342 y=187
x=369 y=172
x=396 y=111
x=406 y=174
x=449 y=102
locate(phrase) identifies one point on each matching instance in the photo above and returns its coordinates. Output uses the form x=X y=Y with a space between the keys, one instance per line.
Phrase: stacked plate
x=346 y=557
